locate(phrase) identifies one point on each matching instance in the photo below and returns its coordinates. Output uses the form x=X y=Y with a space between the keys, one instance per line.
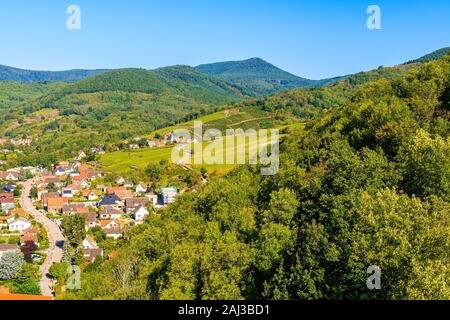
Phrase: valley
x=363 y=180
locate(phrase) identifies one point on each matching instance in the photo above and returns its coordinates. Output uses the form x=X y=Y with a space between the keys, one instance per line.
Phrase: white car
x=36 y=257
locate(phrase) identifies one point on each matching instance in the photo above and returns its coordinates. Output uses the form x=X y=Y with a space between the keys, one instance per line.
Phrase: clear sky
x=310 y=38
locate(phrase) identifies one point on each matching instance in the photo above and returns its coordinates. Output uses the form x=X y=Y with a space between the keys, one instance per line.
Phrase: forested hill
x=170 y=80
x=432 y=56
x=110 y=108
x=256 y=76
x=366 y=184
x=20 y=75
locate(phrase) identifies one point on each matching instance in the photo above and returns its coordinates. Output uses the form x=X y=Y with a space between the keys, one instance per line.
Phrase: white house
x=120 y=180
x=19 y=225
x=141 y=188
x=128 y=184
x=169 y=194
x=89 y=243
x=9 y=176
x=140 y=213
x=109 y=224
x=81 y=155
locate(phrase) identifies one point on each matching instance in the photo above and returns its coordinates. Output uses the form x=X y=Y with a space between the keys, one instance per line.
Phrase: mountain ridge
x=12 y=74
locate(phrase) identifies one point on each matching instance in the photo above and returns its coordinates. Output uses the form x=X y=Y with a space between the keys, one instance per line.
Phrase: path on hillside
x=54 y=253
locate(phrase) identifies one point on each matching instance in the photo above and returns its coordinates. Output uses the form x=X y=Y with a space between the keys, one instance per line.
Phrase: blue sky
x=314 y=38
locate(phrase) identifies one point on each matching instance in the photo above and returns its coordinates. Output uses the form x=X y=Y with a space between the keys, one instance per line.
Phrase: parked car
x=36 y=257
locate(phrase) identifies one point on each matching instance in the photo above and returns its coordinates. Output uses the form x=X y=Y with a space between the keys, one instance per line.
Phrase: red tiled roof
x=17 y=297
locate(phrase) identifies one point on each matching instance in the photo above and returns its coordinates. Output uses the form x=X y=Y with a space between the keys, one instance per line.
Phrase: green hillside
x=20 y=75
x=366 y=183
x=112 y=107
x=432 y=56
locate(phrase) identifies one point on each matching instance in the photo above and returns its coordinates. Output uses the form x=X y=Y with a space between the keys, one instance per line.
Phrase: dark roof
x=109 y=200
x=9 y=187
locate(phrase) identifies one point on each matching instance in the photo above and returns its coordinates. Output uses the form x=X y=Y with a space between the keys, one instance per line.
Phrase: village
x=72 y=189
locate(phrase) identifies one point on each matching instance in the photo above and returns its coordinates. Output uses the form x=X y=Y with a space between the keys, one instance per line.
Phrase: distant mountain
x=255 y=76
x=107 y=108
x=432 y=56
x=20 y=75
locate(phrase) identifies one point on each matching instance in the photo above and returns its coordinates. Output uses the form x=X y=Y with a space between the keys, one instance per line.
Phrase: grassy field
x=124 y=162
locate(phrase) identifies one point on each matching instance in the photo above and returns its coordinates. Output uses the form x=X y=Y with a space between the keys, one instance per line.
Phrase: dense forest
x=365 y=183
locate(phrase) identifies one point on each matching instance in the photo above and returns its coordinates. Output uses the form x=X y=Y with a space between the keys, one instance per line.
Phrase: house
x=133 y=146
x=89 y=243
x=115 y=233
x=140 y=213
x=19 y=225
x=55 y=205
x=62 y=170
x=153 y=198
x=9 y=187
x=82 y=182
x=110 y=200
x=74 y=173
x=169 y=194
x=124 y=194
x=92 y=254
x=90 y=249
x=97 y=150
x=8 y=207
x=9 y=176
x=19 y=212
x=90 y=219
x=90 y=195
x=80 y=155
x=119 y=180
x=4 y=220
x=74 y=208
x=128 y=184
x=46 y=195
x=29 y=238
x=109 y=212
x=88 y=173
x=133 y=203
x=70 y=191
x=4 y=248
x=93 y=174
x=113 y=190
x=168 y=136
x=141 y=188
x=108 y=224
x=51 y=180
x=7 y=201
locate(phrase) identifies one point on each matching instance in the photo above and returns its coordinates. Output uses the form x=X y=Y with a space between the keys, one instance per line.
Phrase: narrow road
x=55 y=236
